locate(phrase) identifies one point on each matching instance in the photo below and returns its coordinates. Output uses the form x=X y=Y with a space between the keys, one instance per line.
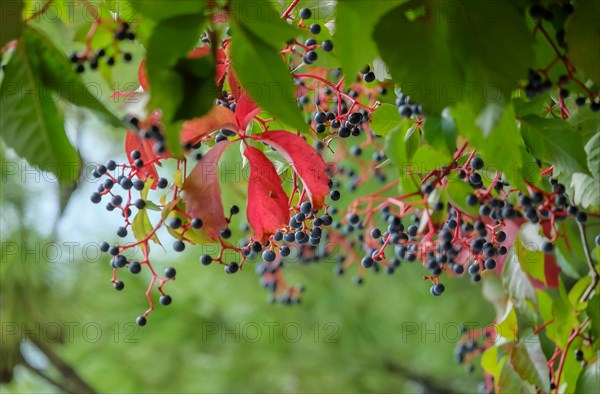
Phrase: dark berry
x=477 y=164
x=305 y=13
x=327 y=45
x=205 y=259
x=178 y=246
x=119 y=285
x=141 y=321
x=135 y=267
x=315 y=28
x=165 y=300
x=231 y=268
x=170 y=272
x=175 y=223
x=225 y=233
x=196 y=223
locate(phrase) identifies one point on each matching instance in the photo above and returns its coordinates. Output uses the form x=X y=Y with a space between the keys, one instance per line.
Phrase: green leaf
x=502 y=149
x=529 y=253
x=428 y=159
x=261 y=70
x=589 y=380
x=582 y=32
x=355 y=51
x=385 y=119
x=517 y=284
x=593 y=312
x=435 y=69
x=141 y=227
x=489 y=359
x=592 y=149
x=440 y=132
x=181 y=88
x=507 y=326
x=553 y=141
x=12 y=21
x=467 y=58
x=57 y=74
x=166 y=9
x=529 y=362
x=31 y=122
x=506 y=380
x=400 y=145
x=586 y=191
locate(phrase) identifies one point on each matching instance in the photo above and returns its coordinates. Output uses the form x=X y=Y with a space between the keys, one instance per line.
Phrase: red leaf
x=305 y=161
x=219 y=117
x=245 y=111
x=234 y=84
x=202 y=192
x=142 y=77
x=267 y=202
x=134 y=142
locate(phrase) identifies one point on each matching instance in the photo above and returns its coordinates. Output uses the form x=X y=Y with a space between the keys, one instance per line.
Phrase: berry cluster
x=539 y=81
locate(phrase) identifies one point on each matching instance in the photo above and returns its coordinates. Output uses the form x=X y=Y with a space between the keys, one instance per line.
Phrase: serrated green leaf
x=262 y=72
x=385 y=119
x=181 y=88
x=517 y=284
x=440 y=132
x=593 y=312
x=528 y=252
x=553 y=141
x=167 y=9
x=502 y=149
x=440 y=76
x=31 y=122
x=589 y=380
x=529 y=362
x=357 y=50
x=582 y=32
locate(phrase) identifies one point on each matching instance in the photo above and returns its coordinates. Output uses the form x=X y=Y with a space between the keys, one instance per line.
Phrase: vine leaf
x=553 y=141
x=385 y=119
x=267 y=202
x=355 y=51
x=135 y=142
x=220 y=117
x=498 y=50
x=255 y=47
x=32 y=123
x=182 y=87
x=529 y=362
x=202 y=192
x=582 y=33
x=305 y=161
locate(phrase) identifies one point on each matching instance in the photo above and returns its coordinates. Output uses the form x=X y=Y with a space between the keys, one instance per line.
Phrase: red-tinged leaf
x=305 y=161
x=267 y=202
x=202 y=192
x=134 y=142
x=551 y=271
x=245 y=111
x=221 y=71
x=143 y=76
x=234 y=83
x=219 y=117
